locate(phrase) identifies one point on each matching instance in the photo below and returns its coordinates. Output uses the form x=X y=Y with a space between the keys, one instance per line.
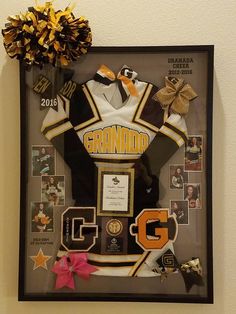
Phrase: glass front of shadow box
x=116 y=155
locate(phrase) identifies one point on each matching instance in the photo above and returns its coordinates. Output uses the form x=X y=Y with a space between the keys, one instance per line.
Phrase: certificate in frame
x=115 y=192
x=193 y=235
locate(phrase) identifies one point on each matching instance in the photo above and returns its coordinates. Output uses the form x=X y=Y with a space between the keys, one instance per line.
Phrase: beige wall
x=134 y=22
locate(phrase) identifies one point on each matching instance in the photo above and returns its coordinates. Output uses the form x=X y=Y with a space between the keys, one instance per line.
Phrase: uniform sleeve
x=170 y=129
x=175 y=129
x=58 y=129
x=169 y=138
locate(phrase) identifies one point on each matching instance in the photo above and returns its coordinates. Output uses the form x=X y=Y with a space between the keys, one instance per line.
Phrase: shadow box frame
x=184 y=61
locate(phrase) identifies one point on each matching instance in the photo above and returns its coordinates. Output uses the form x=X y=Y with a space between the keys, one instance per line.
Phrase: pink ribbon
x=68 y=265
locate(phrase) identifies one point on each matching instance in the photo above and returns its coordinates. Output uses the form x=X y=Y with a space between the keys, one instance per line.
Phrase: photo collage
x=179 y=174
x=52 y=188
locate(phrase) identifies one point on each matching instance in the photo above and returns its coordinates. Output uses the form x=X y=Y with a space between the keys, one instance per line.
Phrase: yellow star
x=40 y=260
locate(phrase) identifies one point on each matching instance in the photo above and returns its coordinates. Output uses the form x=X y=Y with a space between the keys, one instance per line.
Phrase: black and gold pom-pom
x=43 y=35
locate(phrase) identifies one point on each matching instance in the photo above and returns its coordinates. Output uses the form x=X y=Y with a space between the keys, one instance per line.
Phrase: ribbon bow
x=125 y=79
x=167 y=264
x=191 y=271
x=177 y=94
x=68 y=265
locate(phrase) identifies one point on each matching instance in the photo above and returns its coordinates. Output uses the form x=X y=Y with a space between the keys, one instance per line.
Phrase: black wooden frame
x=22 y=296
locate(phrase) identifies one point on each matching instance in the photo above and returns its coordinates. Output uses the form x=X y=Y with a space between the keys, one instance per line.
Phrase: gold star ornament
x=40 y=260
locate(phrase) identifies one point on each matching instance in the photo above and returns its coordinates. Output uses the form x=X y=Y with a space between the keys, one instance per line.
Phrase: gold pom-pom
x=43 y=35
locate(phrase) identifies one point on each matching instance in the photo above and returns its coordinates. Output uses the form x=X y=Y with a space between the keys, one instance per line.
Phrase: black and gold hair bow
x=125 y=78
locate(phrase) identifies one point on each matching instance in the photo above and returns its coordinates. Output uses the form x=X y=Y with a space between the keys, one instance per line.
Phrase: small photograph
x=53 y=190
x=192 y=195
x=42 y=217
x=43 y=160
x=178 y=177
x=180 y=209
x=193 y=153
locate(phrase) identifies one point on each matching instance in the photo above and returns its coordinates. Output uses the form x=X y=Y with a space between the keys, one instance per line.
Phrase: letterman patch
x=78 y=229
x=154 y=228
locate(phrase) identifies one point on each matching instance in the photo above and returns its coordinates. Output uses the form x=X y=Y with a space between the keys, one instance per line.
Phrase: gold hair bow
x=175 y=94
